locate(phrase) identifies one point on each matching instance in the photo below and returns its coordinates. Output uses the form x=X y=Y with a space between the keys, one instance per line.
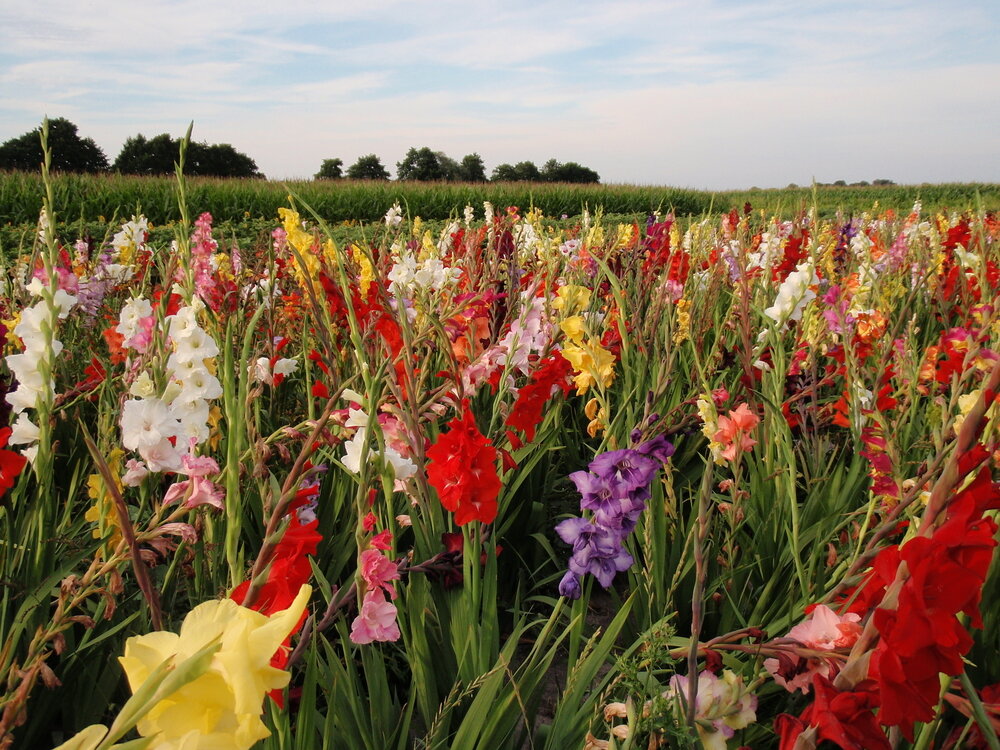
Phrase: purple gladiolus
x=615 y=490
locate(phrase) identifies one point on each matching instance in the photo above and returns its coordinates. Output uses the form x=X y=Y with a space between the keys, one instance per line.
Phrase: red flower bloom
x=463 y=471
x=552 y=372
x=11 y=463
x=290 y=568
x=922 y=638
x=844 y=718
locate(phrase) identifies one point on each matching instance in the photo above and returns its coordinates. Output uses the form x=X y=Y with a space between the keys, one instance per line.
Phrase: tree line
x=156 y=156
x=139 y=155
x=425 y=165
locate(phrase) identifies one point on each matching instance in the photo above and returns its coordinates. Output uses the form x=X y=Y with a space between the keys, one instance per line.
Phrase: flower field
x=713 y=482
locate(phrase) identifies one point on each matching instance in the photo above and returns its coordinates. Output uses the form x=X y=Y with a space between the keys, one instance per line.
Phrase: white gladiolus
x=794 y=294
x=23 y=431
x=146 y=422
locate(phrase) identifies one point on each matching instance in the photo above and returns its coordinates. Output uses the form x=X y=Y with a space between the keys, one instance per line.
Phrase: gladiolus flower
x=377 y=620
x=222 y=707
x=734 y=432
x=463 y=471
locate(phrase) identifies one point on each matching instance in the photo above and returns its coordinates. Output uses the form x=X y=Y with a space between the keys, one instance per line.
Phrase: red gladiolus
x=552 y=372
x=11 y=463
x=290 y=569
x=922 y=637
x=463 y=471
x=844 y=718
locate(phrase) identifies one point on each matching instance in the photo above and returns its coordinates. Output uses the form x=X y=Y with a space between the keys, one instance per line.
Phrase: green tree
x=157 y=155
x=70 y=152
x=331 y=169
x=153 y=156
x=503 y=173
x=472 y=169
x=451 y=170
x=553 y=171
x=218 y=160
x=420 y=164
x=523 y=171
x=368 y=168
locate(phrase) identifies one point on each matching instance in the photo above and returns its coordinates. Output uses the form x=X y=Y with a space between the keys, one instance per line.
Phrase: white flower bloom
x=196 y=345
x=143 y=386
x=200 y=384
x=262 y=371
x=162 y=457
x=286 y=367
x=31 y=453
x=183 y=323
x=25 y=397
x=353 y=448
x=147 y=422
x=794 y=294
x=23 y=431
x=192 y=416
x=131 y=313
x=356 y=418
x=63 y=302
x=403 y=468
x=394 y=216
x=35 y=287
x=353 y=396
x=26 y=367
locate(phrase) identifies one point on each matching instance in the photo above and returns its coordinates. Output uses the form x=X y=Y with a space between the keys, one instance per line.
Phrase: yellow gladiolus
x=573 y=328
x=571 y=298
x=223 y=706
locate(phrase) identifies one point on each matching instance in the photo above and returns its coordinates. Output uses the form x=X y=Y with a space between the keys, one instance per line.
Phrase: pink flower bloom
x=734 y=431
x=823 y=630
x=376 y=621
x=135 y=472
x=195 y=491
x=199 y=466
x=377 y=570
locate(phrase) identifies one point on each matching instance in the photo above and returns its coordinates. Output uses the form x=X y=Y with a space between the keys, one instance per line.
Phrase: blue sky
x=715 y=94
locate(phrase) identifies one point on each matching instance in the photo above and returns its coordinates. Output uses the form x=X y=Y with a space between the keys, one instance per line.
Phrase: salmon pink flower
x=377 y=570
x=823 y=630
x=734 y=432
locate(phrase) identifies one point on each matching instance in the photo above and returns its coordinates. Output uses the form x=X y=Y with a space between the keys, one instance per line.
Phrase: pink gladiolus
x=195 y=491
x=734 y=431
x=377 y=570
x=376 y=622
x=823 y=630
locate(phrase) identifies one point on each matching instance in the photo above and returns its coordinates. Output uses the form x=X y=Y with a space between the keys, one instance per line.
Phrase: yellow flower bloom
x=683 y=330
x=593 y=364
x=103 y=511
x=571 y=298
x=222 y=707
x=573 y=329
x=367 y=275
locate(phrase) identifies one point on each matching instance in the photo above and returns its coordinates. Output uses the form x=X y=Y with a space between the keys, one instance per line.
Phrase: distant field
x=248 y=207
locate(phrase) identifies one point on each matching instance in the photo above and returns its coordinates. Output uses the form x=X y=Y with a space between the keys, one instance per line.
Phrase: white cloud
x=716 y=94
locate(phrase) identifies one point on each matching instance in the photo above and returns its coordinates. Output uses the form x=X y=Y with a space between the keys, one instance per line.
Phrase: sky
x=709 y=94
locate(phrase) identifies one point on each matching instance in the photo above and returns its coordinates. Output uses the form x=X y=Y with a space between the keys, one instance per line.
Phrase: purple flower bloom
x=569 y=586
x=614 y=490
x=659 y=448
x=632 y=469
x=596 y=549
